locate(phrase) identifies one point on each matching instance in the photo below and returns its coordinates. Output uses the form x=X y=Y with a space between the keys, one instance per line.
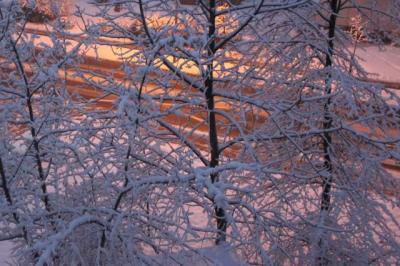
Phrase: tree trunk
x=212 y=126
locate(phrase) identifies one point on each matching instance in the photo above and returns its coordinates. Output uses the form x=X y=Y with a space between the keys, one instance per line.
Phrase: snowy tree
x=38 y=158
x=359 y=130
x=167 y=128
x=282 y=99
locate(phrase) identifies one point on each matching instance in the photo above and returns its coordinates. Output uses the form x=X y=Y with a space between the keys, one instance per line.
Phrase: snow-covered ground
x=383 y=63
x=5 y=251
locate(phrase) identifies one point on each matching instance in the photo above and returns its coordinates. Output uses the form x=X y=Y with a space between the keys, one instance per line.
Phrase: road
x=108 y=65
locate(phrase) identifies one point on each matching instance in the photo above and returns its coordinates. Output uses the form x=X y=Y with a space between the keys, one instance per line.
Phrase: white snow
x=383 y=63
x=5 y=251
x=220 y=256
